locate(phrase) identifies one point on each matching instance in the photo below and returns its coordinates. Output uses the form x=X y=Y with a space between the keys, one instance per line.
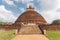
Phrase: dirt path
x=30 y=37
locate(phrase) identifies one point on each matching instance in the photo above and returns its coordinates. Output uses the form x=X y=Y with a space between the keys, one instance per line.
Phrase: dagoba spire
x=30 y=8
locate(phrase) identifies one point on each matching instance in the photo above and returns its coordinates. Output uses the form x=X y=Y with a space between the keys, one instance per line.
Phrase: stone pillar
x=16 y=31
x=44 y=31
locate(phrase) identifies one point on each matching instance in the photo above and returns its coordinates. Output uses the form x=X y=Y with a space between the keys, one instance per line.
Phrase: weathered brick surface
x=30 y=17
x=53 y=27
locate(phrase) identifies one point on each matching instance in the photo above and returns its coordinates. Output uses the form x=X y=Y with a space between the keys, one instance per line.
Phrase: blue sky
x=11 y=9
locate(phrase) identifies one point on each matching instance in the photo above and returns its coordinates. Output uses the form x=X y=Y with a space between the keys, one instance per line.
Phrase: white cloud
x=47 y=4
x=9 y=2
x=16 y=0
x=22 y=9
x=50 y=9
x=50 y=15
x=23 y=1
x=6 y=15
x=28 y=2
x=58 y=3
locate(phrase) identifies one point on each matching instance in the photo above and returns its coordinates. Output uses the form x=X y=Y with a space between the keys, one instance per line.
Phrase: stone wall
x=47 y=27
x=53 y=27
x=9 y=26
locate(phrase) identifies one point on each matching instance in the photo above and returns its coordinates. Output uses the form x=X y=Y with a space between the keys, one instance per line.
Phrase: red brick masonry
x=53 y=27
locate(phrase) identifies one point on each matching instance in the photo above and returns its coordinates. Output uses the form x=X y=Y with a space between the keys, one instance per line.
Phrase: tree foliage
x=56 y=21
x=5 y=23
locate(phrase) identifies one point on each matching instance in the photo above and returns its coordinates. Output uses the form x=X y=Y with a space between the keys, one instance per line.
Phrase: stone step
x=30 y=29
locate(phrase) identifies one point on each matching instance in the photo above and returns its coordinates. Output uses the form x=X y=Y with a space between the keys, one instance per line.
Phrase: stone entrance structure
x=30 y=22
x=30 y=29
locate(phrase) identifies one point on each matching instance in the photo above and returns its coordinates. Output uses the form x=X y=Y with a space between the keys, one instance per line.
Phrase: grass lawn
x=6 y=35
x=53 y=35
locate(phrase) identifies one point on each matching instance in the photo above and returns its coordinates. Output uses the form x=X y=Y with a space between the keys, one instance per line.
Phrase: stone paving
x=30 y=37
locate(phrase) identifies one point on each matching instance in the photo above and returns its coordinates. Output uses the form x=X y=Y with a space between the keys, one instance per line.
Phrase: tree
x=56 y=21
x=5 y=23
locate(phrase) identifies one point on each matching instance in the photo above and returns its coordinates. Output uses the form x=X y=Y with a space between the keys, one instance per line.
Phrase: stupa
x=29 y=21
x=30 y=16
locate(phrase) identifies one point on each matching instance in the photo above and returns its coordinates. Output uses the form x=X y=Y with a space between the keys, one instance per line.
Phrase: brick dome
x=30 y=16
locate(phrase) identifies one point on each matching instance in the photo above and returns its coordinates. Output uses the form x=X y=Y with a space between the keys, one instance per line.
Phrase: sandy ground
x=30 y=37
